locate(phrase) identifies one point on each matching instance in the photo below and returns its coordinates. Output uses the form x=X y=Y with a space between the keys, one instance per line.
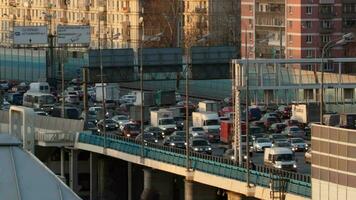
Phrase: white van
x=280 y=158
x=40 y=87
x=38 y=100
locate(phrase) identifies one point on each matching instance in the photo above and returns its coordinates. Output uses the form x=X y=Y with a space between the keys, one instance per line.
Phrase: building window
x=290 y=39
x=290 y=9
x=250 y=23
x=307 y=24
x=290 y=24
x=250 y=36
x=308 y=10
x=308 y=39
x=290 y=53
x=349 y=8
x=250 y=8
x=326 y=24
x=309 y=53
x=324 y=38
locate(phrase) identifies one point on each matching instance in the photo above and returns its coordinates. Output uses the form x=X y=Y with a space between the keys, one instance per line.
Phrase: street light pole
x=187 y=108
x=141 y=83
x=345 y=39
x=102 y=81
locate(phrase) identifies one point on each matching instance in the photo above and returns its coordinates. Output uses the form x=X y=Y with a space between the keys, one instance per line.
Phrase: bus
x=39 y=100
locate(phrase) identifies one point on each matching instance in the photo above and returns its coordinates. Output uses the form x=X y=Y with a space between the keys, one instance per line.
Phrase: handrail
x=261 y=175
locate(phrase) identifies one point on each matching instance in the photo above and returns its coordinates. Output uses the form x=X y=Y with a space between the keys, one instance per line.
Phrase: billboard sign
x=30 y=35
x=68 y=34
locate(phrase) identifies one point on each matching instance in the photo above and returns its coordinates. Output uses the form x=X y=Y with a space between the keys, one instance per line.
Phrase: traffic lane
x=302 y=167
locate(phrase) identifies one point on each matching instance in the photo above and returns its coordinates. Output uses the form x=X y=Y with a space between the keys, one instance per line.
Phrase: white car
x=298 y=144
x=197 y=132
x=74 y=99
x=261 y=143
x=120 y=119
x=129 y=98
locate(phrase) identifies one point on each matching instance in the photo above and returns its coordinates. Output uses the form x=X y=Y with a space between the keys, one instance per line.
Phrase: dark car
x=277 y=127
x=256 y=132
x=255 y=113
x=131 y=130
x=268 y=121
x=147 y=138
x=179 y=122
x=285 y=111
x=15 y=98
x=110 y=125
x=259 y=124
x=175 y=141
x=200 y=145
x=156 y=131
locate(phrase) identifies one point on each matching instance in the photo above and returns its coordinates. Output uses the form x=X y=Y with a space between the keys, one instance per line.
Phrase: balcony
x=125 y=9
x=200 y=10
x=64 y=20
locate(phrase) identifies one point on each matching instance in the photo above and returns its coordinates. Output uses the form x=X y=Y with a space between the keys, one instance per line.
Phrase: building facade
x=300 y=28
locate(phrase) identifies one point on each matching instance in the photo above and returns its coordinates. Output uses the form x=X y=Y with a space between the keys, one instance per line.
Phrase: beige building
x=120 y=27
x=220 y=19
x=119 y=18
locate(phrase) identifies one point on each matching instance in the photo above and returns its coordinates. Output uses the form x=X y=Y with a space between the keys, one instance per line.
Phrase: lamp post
x=144 y=39
x=331 y=44
x=187 y=73
x=101 y=9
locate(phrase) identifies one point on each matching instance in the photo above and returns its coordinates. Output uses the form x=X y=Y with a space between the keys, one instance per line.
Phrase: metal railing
x=296 y=183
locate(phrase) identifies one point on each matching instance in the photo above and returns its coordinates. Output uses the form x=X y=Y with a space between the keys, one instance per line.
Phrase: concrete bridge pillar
x=188 y=189
x=73 y=170
x=147 y=183
x=234 y=196
x=129 y=181
x=93 y=176
x=62 y=165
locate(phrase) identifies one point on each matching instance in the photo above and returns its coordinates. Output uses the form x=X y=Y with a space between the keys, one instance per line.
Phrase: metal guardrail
x=296 y=183
x=55 y=137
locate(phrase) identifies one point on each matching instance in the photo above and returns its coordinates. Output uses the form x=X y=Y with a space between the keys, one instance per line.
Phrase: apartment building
x=300 y=28
x=118 y=20
x=220 y=19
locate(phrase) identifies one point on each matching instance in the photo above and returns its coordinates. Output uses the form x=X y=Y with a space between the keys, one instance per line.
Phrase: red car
x=225 y=110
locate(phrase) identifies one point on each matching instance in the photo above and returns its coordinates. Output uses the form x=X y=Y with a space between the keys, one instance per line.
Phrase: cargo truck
x=163 y=119
x=135 y=113
x=280 y=158
x=348 y=120
x=111 y=92
x=165 y=98
x=210 y=122
x=306 y=113
x=148 y=98
x=208 y=106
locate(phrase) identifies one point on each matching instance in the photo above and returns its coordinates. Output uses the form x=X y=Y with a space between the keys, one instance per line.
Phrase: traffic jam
x=276 y=138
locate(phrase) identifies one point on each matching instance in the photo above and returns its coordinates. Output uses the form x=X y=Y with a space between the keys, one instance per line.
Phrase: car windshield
x=46 y=99
x=180 y=133
x=279 y=137
x=91 y=113
x=178 y=119
x=294 y=129
x=154 y=129
x=200 y=143
x=211 y=122
x=297 y=140
x=72 y=113
x=263 y=140
x=255 y=130
x=177 y=138
x=166 y=121
x=109 y=121
x=283 y=157
x=282 y=144
x=122 y=118
x=134 y=127
x=148 y=136
x=197 y=129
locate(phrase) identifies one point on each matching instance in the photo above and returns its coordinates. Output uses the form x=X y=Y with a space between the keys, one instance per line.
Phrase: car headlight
x=156 y=141
x=162 y=133
x=172 y=144
x=175 y=128
x=209 y=148
x=106 y=126
x=185 y=143
x=294 y=165
x=164 y=128
x=279 y=166
x=306 y=145
x=128 y=135
x=117 y=125
x=232 y=157
x=196 y=149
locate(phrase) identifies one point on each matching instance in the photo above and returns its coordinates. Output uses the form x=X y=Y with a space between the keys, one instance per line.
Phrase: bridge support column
x=93 y=176
x=234 y=196
x=147 y=182
x=188 y=189
x=73 y=170
x=129 y=181
x=62 y=165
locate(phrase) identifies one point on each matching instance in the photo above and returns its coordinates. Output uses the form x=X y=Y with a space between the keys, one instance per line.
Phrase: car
x=308 y=156
x=298 y=144
x=200 y=145
x=229 y=154
x=159 y=133
x=4 y=85
x=147 y=138
x=294 y=131
x=91 y=116
x=286 y=111
x=178 y=133
x=277 y=136
x=90 y=125
x=261 y=143
x=198 y=130
x=179 y=122
x=43 y=113
x=225 y=110
x=95 y=109
x=131 y=130
x=268 y=121
x=175 y=141
x=254 y=113
x=291 y=122
x=110 y=125
x=178 y=97
x=256 y=132
x=213 y=135
x=72 y=99
x=129 y=98
x=271 y=114
x=120 y=119
x=259 y=124
x=282 y=143
x=277 y=127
